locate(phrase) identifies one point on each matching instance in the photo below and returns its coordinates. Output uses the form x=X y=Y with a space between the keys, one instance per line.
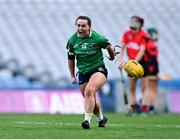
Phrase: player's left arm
x=106 y=45
x=140 y=53
x=111 y=52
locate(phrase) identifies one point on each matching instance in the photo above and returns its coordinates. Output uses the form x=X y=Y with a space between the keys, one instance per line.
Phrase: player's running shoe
x=103 y=122
x=85 y=124
x=131 y=113
x=143 y=114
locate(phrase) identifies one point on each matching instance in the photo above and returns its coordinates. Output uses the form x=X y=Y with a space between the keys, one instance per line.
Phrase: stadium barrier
x=70 y=100
x=41 y=101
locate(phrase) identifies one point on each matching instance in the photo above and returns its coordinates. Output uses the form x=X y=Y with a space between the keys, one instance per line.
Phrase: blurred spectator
x=30 y=72
x=14 y=66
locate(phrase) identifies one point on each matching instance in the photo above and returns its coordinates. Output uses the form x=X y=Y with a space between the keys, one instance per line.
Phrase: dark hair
x=85 y=18
x=140 y=19
x=152 y=31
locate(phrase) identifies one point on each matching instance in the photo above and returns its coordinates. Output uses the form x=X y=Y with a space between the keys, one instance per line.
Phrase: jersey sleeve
x=145 y=39
x=124 y=38
x=70 y=50
x=104 y=42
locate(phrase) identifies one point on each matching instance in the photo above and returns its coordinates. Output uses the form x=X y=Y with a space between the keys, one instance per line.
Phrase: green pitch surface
x=68 y=126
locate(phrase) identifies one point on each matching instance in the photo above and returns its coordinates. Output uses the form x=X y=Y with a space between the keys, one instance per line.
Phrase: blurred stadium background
x=34 y=76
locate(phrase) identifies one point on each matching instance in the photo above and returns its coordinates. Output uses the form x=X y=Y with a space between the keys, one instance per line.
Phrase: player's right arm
x=71 y=64
x=140 y=53
x=143 y=46
x=71 y=61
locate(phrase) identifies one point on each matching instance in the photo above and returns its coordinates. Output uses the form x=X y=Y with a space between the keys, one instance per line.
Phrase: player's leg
x=151 y=93
x=95 y=83
x=132 y=97
x=97 y=110
x=144 y=107
x=82 y=88
x=87 y=118
x=102 y=120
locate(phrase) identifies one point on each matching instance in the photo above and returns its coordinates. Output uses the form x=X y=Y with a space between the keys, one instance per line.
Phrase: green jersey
x=87 y=50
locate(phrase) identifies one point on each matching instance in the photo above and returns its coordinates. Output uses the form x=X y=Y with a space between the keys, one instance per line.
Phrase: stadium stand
x=33 y=35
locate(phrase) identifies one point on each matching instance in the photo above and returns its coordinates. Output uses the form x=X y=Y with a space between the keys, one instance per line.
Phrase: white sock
x=88 y=117
x=99 y=116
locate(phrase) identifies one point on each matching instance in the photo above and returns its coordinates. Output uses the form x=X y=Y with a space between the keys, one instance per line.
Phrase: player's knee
x=90 y=91
x=143 y=90
x=132 y=89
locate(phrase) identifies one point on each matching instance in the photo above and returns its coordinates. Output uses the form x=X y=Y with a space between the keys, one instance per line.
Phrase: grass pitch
x=68 y=126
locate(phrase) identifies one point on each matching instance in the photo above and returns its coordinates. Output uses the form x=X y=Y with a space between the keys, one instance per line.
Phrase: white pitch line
x=46 y=123
x=146 y=125
x=110 y=124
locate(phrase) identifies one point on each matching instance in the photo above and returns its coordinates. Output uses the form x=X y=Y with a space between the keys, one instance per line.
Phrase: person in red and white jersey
x=134 y=40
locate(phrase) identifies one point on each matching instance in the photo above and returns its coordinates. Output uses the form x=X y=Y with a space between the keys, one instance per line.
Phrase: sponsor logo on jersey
x=134 y=46
x=86 y=52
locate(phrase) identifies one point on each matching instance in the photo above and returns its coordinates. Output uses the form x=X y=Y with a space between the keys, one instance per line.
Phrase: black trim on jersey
x=71 y=57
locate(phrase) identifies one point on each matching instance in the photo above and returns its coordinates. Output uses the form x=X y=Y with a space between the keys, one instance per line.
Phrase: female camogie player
x=134 y=40
x=152 y=68
x=86 y=46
